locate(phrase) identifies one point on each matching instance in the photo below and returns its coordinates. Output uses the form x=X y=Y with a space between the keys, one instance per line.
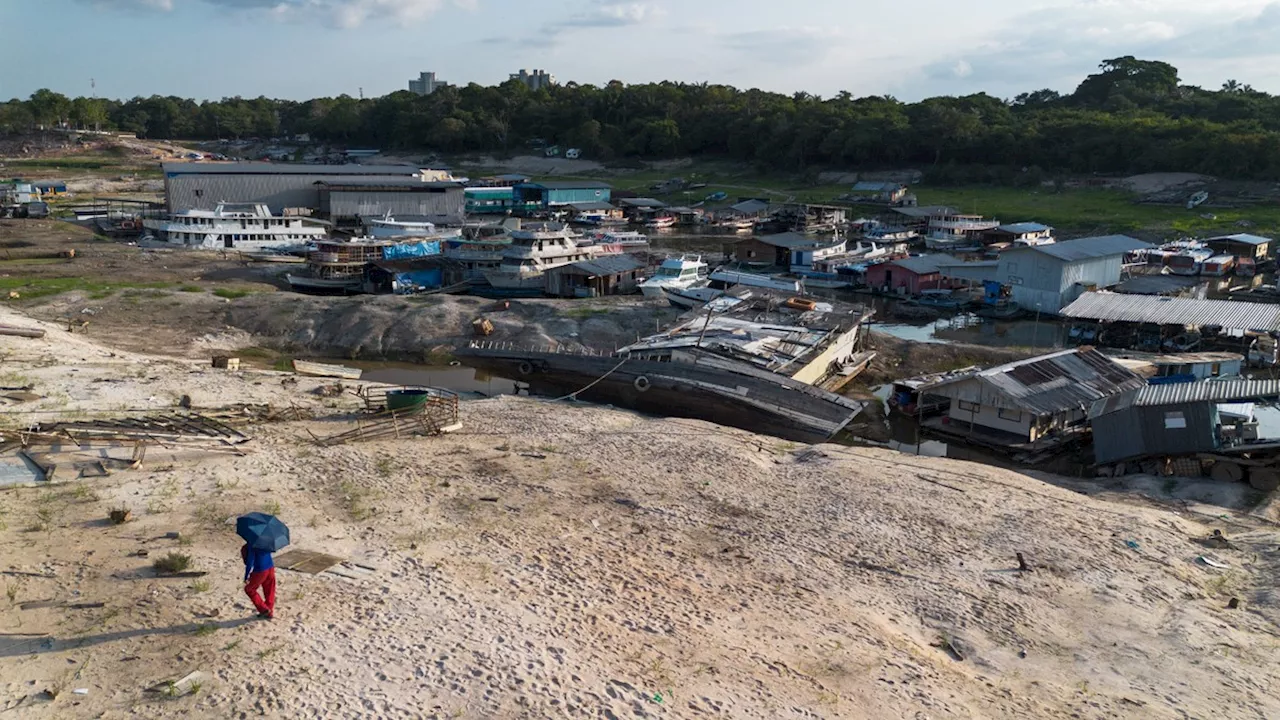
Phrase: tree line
x=1131 y=116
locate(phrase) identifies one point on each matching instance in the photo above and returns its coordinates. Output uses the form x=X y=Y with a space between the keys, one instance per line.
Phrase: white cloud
x=338 y=13
x=962 y=69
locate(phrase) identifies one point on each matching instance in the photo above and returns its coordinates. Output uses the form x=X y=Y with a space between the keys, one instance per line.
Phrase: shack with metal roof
x=1183 y=312
x=1030 y=404
x=1242 y=245
x=1024 y=231
x=1046 y=278
x=907 y=276
x=606 y=275
x=1179 y=419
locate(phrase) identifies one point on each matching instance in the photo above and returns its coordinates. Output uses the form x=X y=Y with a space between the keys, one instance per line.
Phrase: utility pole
x=361 y=93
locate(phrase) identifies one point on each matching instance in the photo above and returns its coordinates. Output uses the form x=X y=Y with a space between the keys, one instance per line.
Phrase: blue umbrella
x=262 y=531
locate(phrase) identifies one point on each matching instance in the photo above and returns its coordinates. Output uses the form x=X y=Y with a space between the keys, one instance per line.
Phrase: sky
x=299 y=49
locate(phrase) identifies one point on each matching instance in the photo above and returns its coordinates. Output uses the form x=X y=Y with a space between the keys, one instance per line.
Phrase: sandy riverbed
x=579 y=561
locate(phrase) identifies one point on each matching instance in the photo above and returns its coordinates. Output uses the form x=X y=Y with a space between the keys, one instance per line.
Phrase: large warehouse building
x=349 y=199
x=201 y=186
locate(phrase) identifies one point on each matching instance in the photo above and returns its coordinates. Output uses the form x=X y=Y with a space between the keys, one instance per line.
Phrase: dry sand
x=579 y=561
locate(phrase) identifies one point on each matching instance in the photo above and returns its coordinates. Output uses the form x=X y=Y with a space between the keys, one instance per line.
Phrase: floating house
x=1030 y=404
x=772 y=250
x=1178 y=419
x=906 y=276
x=886 y=192
x=1242 y=245
x=605 y=275
x=489 y=200
x=549 y=194
x=1181 y=367
x=1024 y=233
x=1046 y=278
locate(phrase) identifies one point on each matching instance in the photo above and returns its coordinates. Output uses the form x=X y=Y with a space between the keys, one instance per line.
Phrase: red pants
x=266 y=580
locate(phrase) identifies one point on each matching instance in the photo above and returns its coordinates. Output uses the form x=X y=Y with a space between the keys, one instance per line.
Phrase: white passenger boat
x=535 y=250
x=238 y=226
x=388 y=226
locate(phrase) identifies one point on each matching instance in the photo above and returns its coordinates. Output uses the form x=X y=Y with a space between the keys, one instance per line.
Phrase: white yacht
x=535 y=250
x=625 y=238
x=680 y=273
x=239 y=226
x=388 y=226
x=955 y=231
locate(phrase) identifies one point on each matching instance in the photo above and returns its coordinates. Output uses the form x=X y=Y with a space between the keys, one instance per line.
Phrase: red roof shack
x=908 y=276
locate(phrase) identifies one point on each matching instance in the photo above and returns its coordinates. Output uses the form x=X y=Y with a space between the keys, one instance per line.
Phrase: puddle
x=458 y=378
x=972 y=330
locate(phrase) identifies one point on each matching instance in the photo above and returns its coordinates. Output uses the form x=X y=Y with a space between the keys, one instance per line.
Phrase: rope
x=574 y=394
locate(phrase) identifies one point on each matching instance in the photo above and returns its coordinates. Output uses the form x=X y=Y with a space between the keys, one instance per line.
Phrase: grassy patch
x=232 y=293
x=191 y=289
x=33 y=287
x=206 y=629
x=1098 y=210
x=174 y=562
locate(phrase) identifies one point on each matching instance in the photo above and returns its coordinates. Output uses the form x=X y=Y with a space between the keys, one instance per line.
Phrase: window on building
x=967 y=406
x=198 y=193
x=1216 y=369
x=1010 y=415
x=1175 y=420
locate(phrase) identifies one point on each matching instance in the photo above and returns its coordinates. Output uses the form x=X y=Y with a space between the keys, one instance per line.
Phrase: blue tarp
x=424 y=248
x=411 y=280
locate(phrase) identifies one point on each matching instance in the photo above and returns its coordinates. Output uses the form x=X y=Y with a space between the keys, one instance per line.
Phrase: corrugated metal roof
x=1087 y=248
x=570 y=185
x=1071 y=379
x=407 y=183
x=594 y=205
x=607 y=265
x=1023 y=227
x=266 y=168
x=1260 y=317
x=750 y=206
x=923 y=265
x=642 y=202
x=791 y=240
x=875 y=186
x=1212 y=391
x=1244 y=238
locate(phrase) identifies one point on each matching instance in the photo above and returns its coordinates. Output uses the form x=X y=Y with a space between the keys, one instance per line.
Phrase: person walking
x=263 y=535
x=260 y=580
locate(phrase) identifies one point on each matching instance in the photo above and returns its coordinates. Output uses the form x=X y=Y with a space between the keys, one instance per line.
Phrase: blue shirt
x=256 y=560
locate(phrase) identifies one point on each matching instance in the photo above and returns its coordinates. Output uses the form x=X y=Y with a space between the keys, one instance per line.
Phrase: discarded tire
x=1263 y=478
x=525 y=367
x=641 y=383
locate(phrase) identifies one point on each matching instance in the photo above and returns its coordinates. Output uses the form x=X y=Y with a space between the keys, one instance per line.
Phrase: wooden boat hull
x=753 y=400
x=315 y=369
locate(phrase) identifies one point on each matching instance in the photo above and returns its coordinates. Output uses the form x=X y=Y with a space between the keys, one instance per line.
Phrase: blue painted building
x=554 y=193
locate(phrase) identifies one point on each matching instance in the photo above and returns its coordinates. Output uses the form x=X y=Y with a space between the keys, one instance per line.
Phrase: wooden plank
x=306 y=561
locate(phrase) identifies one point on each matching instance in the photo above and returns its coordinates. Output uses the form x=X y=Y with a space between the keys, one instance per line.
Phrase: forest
x=1130 y=116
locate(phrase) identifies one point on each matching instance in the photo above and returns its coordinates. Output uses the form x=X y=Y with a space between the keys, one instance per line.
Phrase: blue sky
x=306 y=48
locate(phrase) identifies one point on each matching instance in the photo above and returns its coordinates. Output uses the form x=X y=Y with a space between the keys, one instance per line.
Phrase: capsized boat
x=724 y=368
x=315 y=369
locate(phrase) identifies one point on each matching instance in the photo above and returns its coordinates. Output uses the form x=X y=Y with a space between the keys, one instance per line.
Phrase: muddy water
x=458 y=378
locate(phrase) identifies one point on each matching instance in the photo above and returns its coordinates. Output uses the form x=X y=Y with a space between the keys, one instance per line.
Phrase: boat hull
x=303 y=283
x=755 y=400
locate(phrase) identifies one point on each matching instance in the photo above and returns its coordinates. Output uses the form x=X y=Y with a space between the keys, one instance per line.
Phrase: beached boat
x=273 y=256
x=722 y=368
x=1197 y=199
x=661 y=222
x=1218 y=266
x=238 y=226
x=389 y=226
x=1190 y=261
x=629 y=239
x=723 y=278
x=950 y=231
x=315 y=369
x=536 y=249
x=690 y=298
x=680 y=273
